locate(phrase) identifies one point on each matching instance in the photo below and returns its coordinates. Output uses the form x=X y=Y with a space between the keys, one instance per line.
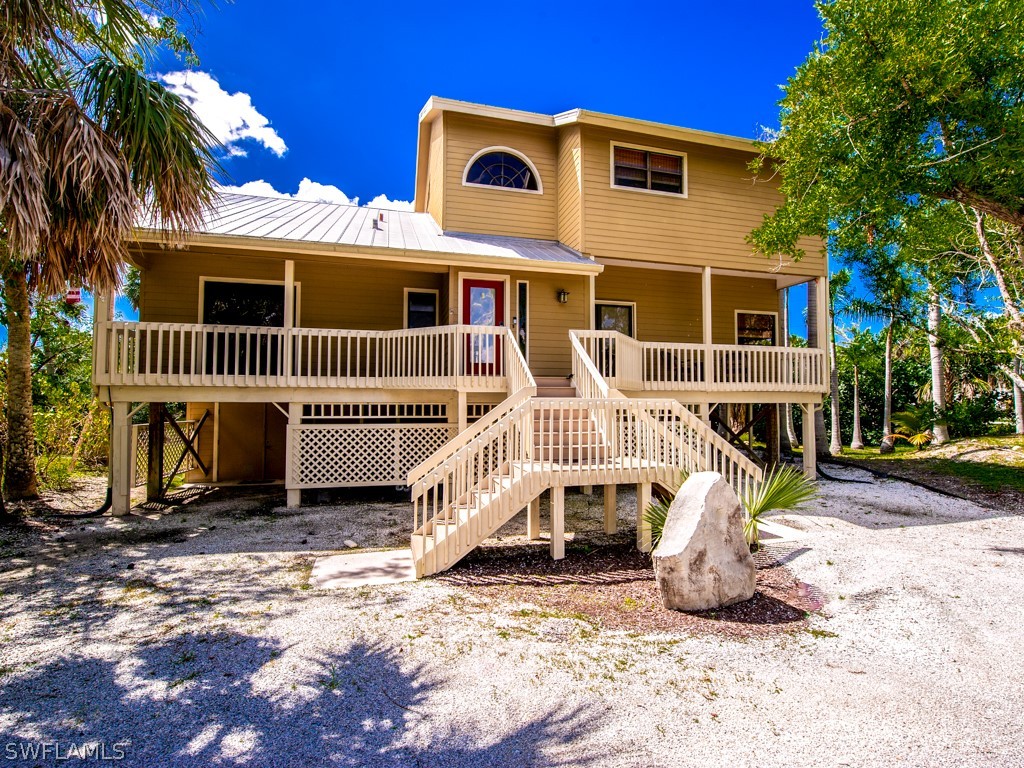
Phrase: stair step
x=562 y=392
x=553 y=381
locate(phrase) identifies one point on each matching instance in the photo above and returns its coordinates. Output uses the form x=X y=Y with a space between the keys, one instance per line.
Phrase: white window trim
x=661 y=151
x=515 y=330
x=465 y=172
x=614 y=302
x=463 y=276
x=203 y=279
x=736 y=321
x=405 y=304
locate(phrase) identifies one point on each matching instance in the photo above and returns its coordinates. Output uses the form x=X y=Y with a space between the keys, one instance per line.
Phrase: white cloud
x=315 y=192
x=230 y=117
x=381 y=201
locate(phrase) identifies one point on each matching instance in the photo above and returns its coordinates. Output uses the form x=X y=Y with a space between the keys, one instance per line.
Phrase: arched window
x=502 y=167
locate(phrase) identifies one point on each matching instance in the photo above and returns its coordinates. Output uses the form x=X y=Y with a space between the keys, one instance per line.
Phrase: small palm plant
x=910 y=426
x=655 y=516
x=783 y=488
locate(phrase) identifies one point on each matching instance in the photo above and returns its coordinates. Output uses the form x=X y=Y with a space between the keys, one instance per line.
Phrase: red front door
x=483 y=303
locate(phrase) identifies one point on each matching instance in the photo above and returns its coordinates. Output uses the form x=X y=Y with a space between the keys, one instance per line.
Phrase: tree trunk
x=1018 y=399
x=787 y=434
x=858 y=439
x=3 y=509
x=20 y=471
x=1009 y=302
x=813 y=341
x=836 y=442
x=939 y=428
x=887 y=445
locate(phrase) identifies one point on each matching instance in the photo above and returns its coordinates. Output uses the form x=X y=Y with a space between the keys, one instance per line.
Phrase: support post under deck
x=533 y=520
x=120 y=460
x=558 y=522
x=294 y=495
x=810 y=446
x=611 y=516
x=643 y=528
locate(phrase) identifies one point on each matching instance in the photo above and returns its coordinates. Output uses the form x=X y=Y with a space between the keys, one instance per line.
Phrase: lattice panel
x=339 y=455
x=173 y=448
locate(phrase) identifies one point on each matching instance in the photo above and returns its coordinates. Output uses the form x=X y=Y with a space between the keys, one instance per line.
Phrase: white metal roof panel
x=250 y=216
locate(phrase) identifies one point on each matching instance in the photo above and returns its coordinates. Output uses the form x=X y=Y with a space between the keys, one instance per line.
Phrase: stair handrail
x=437 y=495
x=741 y=472
x=522 y=386
x=588 y=380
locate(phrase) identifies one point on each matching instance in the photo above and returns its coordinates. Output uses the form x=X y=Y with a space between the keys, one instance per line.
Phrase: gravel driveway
x=193 y=639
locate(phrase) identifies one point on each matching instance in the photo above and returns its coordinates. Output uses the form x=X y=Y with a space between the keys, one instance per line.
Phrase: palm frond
x=783 y=488
x=655 y=516
x=163 y=142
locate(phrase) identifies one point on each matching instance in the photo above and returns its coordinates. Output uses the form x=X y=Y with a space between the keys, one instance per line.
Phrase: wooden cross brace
x=190 y=447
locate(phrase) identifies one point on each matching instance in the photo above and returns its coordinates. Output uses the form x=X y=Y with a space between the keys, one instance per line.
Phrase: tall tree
x=89 y=143
x=858 y=351
x=837 y=295
x=900 y=100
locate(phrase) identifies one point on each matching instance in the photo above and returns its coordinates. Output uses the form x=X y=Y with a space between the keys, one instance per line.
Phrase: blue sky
x=321 y=99
x=341 y=85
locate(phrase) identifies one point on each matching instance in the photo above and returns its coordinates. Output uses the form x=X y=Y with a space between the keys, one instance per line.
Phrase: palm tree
x=858 y=351
x=89 y=144
x=892 y=290
x=837 y=297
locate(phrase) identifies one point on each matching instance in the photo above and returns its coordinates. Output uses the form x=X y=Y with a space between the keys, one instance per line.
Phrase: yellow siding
x=668 y=304
x=707 y=227
x=549 y=321
x=343 y=294
x=729 y=294
x=570 y=188
x=492 y=210
x=435 y=173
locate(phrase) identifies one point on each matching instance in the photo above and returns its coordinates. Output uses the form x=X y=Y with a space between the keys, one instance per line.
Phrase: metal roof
x=270 y=218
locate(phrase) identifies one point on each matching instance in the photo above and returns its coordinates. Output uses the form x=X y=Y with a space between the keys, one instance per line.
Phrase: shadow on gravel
x=219 y=699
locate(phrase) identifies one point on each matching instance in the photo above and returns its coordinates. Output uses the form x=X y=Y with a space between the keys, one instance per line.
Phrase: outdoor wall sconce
x=563 y=296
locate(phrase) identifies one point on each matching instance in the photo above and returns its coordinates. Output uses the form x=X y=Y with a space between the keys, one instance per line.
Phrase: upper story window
x=502 y=167
x=647 y=169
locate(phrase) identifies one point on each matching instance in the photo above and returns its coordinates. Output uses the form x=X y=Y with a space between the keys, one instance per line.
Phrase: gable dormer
x=488 y=171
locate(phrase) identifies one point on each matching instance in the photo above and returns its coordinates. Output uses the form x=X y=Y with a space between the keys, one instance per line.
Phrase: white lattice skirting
x=340 y=455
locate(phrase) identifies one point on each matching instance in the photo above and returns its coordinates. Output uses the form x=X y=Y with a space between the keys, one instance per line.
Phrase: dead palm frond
x=89 y=143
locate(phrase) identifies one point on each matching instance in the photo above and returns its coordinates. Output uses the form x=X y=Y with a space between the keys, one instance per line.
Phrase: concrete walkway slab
x=363 y=569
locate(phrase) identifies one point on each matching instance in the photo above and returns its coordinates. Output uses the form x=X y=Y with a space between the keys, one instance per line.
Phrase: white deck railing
x=626 y=363
x=196 y=355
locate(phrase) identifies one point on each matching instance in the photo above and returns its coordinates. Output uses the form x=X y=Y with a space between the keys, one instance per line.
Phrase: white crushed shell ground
x=193 y=639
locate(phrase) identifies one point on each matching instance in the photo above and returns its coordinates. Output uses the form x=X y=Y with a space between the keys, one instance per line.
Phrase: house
x=571 y=303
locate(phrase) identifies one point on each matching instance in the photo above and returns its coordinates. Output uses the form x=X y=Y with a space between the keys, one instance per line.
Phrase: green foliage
x=71 y=427
x=912 y=426
x=55 y=472
x=783 y=488
x=900 y=100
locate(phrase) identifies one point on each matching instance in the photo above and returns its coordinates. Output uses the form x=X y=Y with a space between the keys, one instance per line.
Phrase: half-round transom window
x=502 y=169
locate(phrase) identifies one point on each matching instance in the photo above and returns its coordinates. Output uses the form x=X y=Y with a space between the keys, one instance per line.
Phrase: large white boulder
x=703 y=560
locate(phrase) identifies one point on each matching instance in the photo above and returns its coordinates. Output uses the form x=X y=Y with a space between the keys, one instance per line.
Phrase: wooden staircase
x=547 y=436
